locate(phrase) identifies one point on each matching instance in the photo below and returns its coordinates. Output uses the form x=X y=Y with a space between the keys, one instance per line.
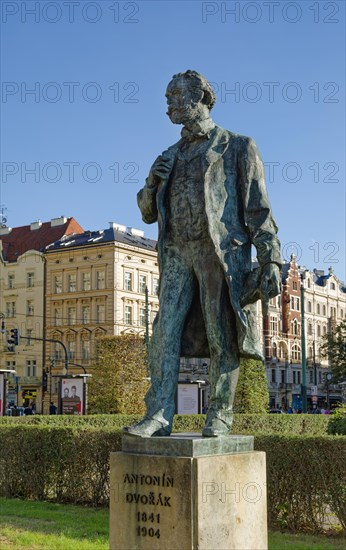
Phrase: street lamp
x=3 y=386
x=304 y=396
x=329 y=377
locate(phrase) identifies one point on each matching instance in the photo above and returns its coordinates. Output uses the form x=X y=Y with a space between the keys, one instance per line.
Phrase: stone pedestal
x=186 y=492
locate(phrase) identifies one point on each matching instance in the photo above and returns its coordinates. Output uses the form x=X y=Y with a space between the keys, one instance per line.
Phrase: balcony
x=285 y=386
x=30 y=380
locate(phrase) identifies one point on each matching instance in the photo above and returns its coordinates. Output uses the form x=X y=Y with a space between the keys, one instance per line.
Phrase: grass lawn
x=26 y=525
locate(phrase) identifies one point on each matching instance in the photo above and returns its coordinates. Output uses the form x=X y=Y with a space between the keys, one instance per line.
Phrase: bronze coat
x=239 y=214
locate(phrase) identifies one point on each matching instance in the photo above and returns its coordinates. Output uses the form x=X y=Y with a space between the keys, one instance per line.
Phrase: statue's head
x=190 y=98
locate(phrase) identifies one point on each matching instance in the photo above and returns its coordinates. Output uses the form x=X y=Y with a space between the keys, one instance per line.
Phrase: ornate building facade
x=324 y=306
x=98 y=283
x=22 y=281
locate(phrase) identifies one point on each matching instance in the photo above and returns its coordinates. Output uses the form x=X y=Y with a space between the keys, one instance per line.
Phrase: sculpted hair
x=198 y=82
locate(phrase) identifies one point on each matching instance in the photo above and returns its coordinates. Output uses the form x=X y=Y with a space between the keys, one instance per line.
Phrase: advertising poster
x=2 y=395
x=187 y=399
x=72 y=396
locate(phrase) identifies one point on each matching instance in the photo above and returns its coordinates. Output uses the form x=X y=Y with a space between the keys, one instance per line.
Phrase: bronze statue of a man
x=208 y=194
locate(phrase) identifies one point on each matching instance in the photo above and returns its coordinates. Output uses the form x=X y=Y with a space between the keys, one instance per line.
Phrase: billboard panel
x=2 y=395
x=187 y=399
x=72 y=396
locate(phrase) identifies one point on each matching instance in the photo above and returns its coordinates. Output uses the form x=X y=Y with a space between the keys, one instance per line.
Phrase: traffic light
x=13 y=340
x=15 y=336
x=45 y=381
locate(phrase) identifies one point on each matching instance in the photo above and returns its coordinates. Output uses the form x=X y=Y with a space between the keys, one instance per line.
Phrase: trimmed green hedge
x=290 y=424
x=337 y=423
x=306 y=476
x=61 y=464
x=306 y=481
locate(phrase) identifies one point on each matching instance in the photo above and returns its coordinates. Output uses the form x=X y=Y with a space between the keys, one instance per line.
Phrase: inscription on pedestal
x=188 y=502
x=151 y=501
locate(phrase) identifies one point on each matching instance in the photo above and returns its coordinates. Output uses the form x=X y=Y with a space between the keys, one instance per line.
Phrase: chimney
x=54 y=222
x=5 y=230
x=135 y=232
x=35 y=225
x=117 y=227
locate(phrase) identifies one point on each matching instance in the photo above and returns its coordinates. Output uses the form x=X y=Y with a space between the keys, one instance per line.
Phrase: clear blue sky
x=100 y=70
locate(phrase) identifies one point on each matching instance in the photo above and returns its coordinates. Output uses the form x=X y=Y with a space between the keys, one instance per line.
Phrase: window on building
x=318 y=330
x=299 y=377
x=71 y=348
x=309 y=307
x=30 y=279
x=282 y=351
x=30 y=307
x=71 y=315
x=308 y=283
x=318 y=309
x=309 y=329
x=324 y=310
x=57 y=317
x=273 y=324
x=332 y=286
x=273 y=375
x=100 y=313
x=155 y=286
x=57 y=351
x=333 y=312
x=274 y=350
x=142 y=283
x=142 y=317
x=292 y=302
x=86 y=284
x=11 y=365
x=28 y=334
x=295 y=353
x=311 y=376
x=341 y=313
x=86 y=314
x=324 y=330
x=295 y=327
x=127 y=280
x=85 y=349
x=72 y=282
x=10 y=309
x=128 y=315
x=58 y=284
x=294 y=285
x=282 y=372
x=10 y=281
x=294 y=377
x=30 y=367
x=100 y=280
x=319 y=377
x=297 y=304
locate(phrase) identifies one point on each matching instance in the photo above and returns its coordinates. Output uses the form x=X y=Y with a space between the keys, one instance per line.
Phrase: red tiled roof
x=22 y=239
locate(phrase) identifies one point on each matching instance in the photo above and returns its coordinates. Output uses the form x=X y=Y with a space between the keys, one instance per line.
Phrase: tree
x=334 y=348
x=252 y=395
x=120 y=375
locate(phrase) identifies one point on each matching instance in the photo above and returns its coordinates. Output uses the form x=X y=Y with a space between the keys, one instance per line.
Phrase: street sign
x=313 y=390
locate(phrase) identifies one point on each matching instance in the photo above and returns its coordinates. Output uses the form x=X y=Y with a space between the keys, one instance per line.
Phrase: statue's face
x=183 y=104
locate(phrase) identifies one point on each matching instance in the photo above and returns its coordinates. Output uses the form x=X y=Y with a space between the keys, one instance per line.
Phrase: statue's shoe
x=163 y=432
x=149 y=427
x=214 y=427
